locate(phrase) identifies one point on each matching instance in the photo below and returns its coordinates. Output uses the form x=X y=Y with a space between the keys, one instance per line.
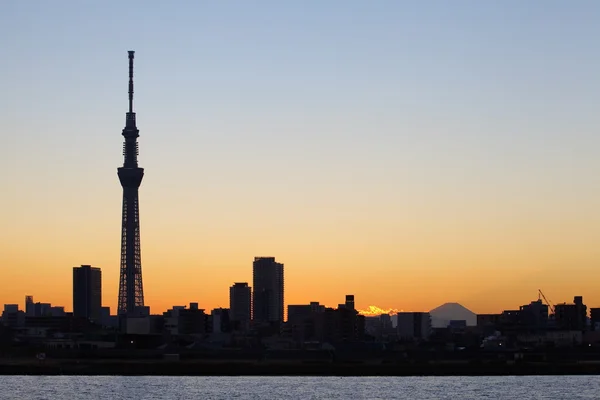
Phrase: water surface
x=212 y=388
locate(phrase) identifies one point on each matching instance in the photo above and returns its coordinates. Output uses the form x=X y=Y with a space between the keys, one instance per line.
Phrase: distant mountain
x=442 y=315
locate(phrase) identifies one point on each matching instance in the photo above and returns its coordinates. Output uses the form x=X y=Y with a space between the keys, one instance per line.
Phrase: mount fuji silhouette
x=442 y=315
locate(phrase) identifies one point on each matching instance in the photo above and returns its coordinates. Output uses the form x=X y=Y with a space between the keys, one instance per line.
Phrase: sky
x=409 y=152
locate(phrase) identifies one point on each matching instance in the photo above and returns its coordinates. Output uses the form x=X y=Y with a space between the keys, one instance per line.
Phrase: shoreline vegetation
x=289 y=368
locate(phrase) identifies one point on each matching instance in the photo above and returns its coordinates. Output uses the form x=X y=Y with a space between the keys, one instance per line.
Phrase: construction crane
x=549 y=303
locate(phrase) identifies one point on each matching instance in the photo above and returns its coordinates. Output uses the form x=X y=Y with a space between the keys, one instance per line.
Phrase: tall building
x=267 y=305
x=29 y=306
x=350 y=301
x=87 y=292
x=240 y=305
x=131 y=292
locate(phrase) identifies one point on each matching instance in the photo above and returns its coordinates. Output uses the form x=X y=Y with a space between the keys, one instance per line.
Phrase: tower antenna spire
x=131 y=56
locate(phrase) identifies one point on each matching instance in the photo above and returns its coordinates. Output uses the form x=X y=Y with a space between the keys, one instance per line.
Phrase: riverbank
x=283 y=368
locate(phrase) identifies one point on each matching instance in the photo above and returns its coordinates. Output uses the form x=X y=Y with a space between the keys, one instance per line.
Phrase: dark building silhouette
x=571 y=317
x=487 y=324
x=268 y=291
x=12 y=316
x=42 y=309
x=347 y=324
x=29 y=307
x=57 y=311
x=350 y=301
x=511 y=322
x=381 y=328
x=529 y=318
x=314 y=322
x=87 y=293
x=186 y=321
x=240 y=305
x=302 y=321
x=66 y=323
x=106 y=320
x=219 y=321
x=298 y=312
x=457 y=325
x=595 y=319
x=413 y=325
x=386 y=322
x=131 y=292
x=534 y=316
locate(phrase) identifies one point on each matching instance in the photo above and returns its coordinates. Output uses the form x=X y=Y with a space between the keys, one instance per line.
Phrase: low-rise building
x=315 y=323
x=186 y=321
x=595 y=319
x=534 y=316
x=12 y=316
x=551 y=338
x=487 y=324
x=219 y=321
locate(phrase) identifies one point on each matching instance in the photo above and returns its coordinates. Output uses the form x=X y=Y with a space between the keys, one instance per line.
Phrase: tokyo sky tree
x=131 y=290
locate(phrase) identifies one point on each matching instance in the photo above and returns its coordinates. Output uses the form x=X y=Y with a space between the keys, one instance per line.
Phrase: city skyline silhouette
x=411 y=164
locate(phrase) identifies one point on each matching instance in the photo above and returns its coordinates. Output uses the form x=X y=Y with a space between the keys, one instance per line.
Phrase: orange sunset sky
x=407 y=155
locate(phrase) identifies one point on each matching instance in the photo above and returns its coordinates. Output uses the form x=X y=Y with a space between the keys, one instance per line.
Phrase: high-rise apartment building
x=350 y=302
x=29 y=306
x=87 y=292
x=267 y=302
x=240 y=306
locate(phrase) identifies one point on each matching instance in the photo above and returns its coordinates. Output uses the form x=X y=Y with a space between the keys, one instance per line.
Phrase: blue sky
x=506 y=65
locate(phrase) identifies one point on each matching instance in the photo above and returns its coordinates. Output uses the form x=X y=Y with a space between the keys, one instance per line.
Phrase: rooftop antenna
x=131 y=56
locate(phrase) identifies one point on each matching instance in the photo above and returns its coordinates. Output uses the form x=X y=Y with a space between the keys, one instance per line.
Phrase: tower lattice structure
x=131 y=290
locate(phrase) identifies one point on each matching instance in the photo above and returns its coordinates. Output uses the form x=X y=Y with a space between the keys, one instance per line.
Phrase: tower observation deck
x=131 y=291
